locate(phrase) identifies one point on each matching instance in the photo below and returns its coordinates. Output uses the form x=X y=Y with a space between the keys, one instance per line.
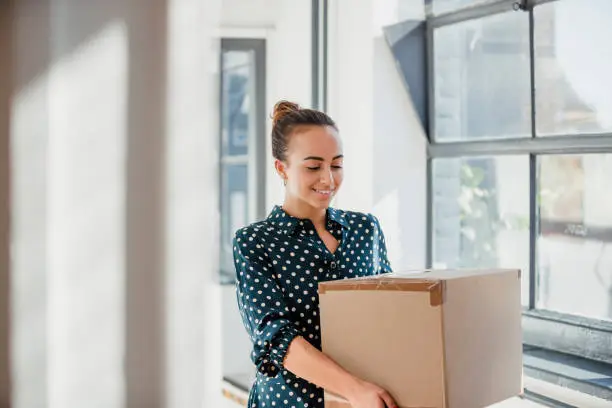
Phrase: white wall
x=113 y=151
x=384 y=142
x=6 y=44
x=29 y=138
x=383 y=139
x=289 y=74
x=286 y=27
x=253 y=14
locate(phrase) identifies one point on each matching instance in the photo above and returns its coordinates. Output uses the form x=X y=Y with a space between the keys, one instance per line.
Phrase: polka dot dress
x=279 y=262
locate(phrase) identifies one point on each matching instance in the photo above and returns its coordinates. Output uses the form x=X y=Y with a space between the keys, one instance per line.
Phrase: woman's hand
x=368 y=395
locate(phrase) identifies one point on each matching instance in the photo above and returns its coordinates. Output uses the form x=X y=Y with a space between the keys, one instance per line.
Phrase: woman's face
x=313 y=168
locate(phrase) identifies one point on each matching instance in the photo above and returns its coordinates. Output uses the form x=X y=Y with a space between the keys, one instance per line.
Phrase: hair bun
x=282 y=109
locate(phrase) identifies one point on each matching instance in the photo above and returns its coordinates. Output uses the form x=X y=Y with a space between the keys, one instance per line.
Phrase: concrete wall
x=29 y=141
x=286 y=27
x=5 y=97
x=113 y=153
x=384 y=142
x=113 y=141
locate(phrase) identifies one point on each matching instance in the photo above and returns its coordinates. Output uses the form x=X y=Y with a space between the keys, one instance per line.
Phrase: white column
x=193 y=304
x=29 y=130
x=88 y=97
x=5 y=265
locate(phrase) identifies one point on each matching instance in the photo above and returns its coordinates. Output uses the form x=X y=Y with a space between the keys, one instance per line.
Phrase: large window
x=520 y=165
x=242 y=141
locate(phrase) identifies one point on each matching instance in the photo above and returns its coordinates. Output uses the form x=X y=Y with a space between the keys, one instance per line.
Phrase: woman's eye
x=313 y=168
x=336 y=167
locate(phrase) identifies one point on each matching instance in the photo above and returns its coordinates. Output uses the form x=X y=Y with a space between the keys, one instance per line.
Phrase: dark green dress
x=279 y=262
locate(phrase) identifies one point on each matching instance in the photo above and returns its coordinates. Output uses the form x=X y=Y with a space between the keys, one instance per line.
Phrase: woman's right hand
x=368 y=395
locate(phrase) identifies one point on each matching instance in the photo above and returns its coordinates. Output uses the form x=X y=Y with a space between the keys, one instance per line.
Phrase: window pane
x=234 y=210
x=482 y=81
x=575 y=242
x=445 y=6
x=573 y=65
x=237 y=99
x=481 y=214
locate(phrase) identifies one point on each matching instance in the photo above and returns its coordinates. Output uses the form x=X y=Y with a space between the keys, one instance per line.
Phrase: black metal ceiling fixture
x=524 y=5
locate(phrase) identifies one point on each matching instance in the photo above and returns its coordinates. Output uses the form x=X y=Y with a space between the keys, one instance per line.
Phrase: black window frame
x=580 y=336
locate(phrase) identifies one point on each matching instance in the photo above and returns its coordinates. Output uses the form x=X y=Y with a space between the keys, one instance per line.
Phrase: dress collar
x=288 y=223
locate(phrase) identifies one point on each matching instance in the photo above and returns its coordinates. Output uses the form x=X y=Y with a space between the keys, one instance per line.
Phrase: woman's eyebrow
x=322 y=159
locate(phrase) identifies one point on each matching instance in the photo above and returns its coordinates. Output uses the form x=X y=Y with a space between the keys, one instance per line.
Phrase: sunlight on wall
x=86 y=185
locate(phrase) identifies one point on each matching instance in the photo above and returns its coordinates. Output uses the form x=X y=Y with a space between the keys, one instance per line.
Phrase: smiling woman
x=280 y=261
x=312 y=168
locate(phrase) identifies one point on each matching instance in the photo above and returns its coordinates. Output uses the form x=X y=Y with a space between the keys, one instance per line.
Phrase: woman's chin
x=320 y=201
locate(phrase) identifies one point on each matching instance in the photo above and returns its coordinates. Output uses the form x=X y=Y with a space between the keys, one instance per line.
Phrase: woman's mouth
x=323 y=193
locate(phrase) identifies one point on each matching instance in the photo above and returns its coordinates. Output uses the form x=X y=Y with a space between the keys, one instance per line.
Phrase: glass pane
x=573 y=66
x=445 y=6
x=575 y=241
x=237 y=101
x=482 y=81
x=481 y=214
x=234 y=210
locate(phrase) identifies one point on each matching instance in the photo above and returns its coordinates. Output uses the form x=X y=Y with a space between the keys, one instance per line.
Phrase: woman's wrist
x=352 y=386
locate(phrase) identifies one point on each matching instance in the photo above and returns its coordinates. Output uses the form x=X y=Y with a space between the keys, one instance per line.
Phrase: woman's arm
x=381 y=260
x=307 y=362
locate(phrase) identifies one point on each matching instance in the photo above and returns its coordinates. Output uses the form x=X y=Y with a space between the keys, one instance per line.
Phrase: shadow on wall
x=399 y=163
x=145 y=197
x=111 y=216
x=5 y=96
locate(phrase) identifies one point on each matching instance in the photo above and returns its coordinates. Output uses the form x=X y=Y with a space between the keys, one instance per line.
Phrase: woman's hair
x=286 y=117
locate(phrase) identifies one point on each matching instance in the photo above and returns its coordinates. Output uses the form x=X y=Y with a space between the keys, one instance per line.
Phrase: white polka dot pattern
x=279 y=263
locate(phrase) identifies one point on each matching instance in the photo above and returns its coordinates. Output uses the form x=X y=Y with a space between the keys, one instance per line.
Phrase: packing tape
x=434 y=287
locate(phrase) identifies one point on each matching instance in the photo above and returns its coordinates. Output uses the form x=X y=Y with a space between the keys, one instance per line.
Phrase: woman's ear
x=281 y=169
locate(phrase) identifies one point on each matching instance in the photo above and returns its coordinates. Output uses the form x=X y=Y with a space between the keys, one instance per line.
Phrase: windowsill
x=587 y=377
x=571 y=335
x=570 y=319
x=551 y=378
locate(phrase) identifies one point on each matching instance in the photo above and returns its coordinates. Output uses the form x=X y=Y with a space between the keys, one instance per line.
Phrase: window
x=520 y=160
x=242 y=141
x=575 y=235
x=481 y=213
x=573 y=80
x=474 y=97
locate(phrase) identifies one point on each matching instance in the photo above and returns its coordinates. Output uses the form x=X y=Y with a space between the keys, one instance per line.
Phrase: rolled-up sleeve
x=380 y=249
x=264 y=312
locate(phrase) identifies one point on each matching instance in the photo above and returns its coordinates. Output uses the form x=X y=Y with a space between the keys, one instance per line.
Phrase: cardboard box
x=439 y=338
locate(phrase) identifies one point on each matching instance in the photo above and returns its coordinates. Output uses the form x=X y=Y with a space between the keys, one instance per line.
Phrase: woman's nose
x=327 y=178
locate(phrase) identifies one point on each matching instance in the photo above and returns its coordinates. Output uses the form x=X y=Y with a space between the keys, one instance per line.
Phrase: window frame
x=255 y=157
x=585 y=337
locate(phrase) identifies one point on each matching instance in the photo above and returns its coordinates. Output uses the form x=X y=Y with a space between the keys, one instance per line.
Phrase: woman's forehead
x=315 y=141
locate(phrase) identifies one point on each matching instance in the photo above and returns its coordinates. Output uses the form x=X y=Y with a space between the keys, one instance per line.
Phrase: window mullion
x=533 y=174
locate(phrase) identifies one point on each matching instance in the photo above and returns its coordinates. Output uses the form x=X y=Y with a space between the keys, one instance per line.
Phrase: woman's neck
x=300 y=209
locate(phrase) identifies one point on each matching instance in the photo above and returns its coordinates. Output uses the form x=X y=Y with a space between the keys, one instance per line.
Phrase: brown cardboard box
x=439 y=338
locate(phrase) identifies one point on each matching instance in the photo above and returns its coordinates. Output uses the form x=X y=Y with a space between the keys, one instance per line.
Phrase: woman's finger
x=389 y=401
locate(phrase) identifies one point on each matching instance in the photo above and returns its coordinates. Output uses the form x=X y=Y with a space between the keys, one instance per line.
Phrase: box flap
x=445 y=274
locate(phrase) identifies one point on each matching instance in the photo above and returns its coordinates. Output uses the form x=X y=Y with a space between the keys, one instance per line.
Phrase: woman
x=279 y=262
